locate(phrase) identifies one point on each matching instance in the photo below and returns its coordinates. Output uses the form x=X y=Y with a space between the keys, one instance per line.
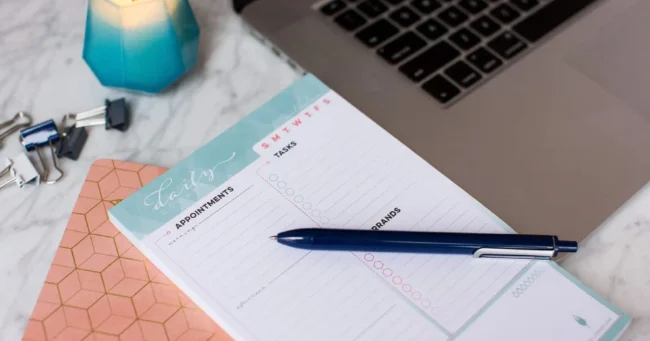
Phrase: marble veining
x=42 y=72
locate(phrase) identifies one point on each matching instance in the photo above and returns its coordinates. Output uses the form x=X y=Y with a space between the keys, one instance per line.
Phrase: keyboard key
x=507 y=45
x=426 y=6
x=429 y=61
x=525 y=5
x=377 y=32
x=473 y=6
x=452 y=16
x=405 y=16
x=441 y=89
x=432 y=29
x=332 y=7
x=505 y=13
x=463 y=74
x=484 y=60
x=350 y=20
x=402 y=47
x=372 y=8
x=465 y=39
x=485 y=26
x=549 y=17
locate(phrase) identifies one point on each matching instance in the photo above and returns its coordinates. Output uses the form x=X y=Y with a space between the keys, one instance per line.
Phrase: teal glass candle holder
x=141 y=45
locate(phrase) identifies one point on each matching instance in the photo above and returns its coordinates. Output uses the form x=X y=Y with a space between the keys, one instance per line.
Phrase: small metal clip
x=22 y=172
x=13 y=125
x=514 y=253
x=115 y=116
x=40 y=135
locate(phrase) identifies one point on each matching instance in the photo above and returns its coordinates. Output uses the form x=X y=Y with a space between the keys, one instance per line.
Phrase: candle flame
x=133 y=14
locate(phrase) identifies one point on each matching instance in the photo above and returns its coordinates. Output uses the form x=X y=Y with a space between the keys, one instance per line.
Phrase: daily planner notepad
x=308 y=158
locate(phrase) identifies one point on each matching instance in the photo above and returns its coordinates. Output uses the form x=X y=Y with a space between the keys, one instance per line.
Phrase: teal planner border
x=226 y=155
x=213 y=164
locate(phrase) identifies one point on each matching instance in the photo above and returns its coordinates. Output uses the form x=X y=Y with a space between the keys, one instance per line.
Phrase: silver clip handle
x=513 y=253
x=13 y=124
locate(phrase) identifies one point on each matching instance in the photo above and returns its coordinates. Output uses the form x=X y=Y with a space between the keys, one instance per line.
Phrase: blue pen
x=478 y=245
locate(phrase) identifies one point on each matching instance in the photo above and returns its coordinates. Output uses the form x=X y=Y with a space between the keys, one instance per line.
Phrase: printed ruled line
x=291 y=202
x=248 y=228
x=383 y=208
x=348 y=161
x=274 y=249
x=442 y=216
x=320 y=164
x=354 y=173
x=441 y=294
x=447 y=258
x=473 y=300
x=277 y=221
x=305 y=160
x=337 y=288
x=342 y=161
x=163 y=236
x=466 y=225
x=359 y=185
x=330 y=143
x=215 y=237
x=352 y=190
x=289 y=268
x=265 y=244
x=298 y=290
x=503 y=288
x=256 y=257
x=422 y=264
x=358 y=165
x=365 y=330
x=455 y=220
x=213 y=213
x=344 y=304
x=374 y=215
x=429 y=213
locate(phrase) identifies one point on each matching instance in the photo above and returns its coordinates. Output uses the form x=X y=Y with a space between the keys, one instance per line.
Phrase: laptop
x=540 y=109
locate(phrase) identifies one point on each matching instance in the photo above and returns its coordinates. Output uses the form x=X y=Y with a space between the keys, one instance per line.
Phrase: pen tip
x=273 y=237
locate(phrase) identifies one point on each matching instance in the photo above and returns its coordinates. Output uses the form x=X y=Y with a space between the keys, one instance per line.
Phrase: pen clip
x=513 y=253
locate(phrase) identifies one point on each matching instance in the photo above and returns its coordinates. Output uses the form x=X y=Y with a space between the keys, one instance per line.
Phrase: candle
x=142 y=45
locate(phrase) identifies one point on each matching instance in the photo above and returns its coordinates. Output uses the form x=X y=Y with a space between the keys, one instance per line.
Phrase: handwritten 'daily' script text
x=168 y=192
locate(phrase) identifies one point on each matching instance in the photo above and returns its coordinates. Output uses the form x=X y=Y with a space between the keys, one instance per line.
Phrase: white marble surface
x=42 y=72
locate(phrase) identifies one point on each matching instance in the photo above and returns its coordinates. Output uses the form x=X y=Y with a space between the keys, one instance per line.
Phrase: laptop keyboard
x=449 y=46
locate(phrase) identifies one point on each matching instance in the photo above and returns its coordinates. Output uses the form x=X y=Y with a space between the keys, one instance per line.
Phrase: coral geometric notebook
x=100 y=287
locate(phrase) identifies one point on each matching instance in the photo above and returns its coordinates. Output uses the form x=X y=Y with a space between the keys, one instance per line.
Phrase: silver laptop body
x=545 y=119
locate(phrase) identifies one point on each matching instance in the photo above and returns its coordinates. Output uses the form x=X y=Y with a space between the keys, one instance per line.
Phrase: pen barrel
x=417 y=242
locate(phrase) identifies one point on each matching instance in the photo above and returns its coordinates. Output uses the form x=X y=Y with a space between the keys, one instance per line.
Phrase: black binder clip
x=72 y=142
x=113 y=115
x=21 y=170
x=40 y=135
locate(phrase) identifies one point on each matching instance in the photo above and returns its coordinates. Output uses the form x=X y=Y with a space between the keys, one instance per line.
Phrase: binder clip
x=21 y=170
x=13 y=125
x=113 y=115
x=38 y=136
x=72 y=142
